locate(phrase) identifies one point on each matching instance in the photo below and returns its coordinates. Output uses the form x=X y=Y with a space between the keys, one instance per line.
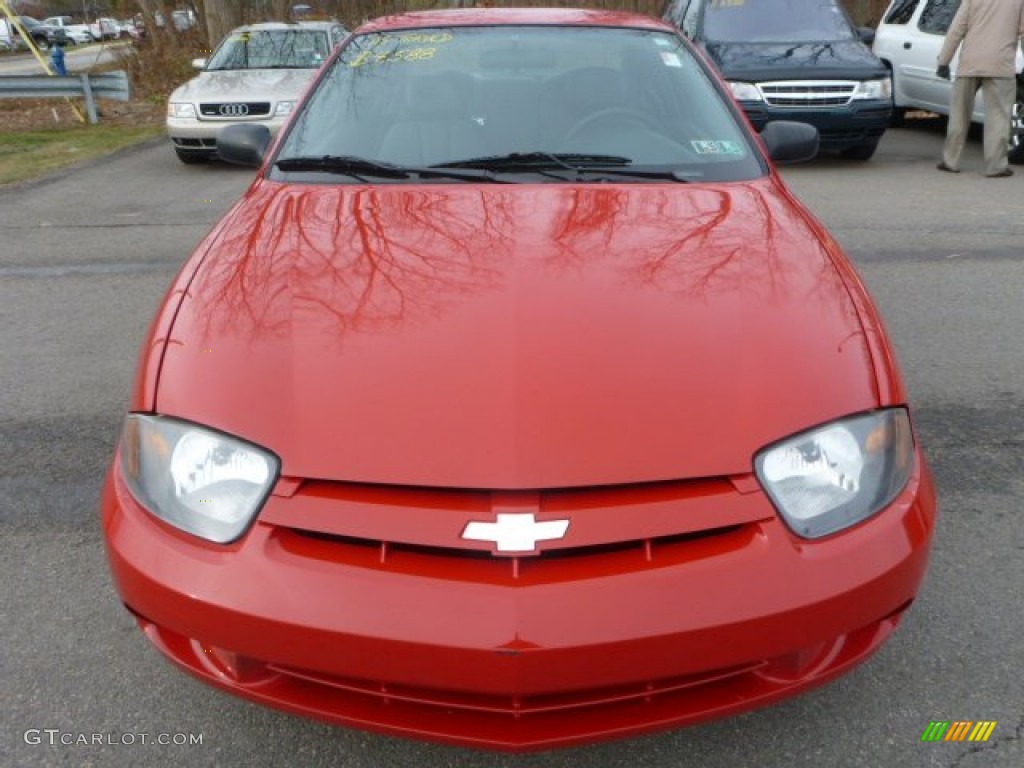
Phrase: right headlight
x=181 y=110
x=745 y=91
x=837 y=475
x=201 y=481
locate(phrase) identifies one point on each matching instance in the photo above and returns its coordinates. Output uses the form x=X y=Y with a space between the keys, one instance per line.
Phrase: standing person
x=57 y=57
x=989 y=31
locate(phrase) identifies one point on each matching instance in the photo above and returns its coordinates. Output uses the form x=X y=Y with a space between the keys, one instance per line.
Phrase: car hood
x=758 y=62
x=246 y=85
x=527 y=336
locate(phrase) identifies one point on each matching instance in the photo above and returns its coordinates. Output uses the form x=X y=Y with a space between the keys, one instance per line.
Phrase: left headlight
x=873 y=89
x=198 y=480
x=837 y=475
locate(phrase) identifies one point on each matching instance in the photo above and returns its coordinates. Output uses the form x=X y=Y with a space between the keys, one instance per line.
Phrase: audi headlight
x=198 y=480
x=837 y=475
x=284 y=108
x=874 y=89
x=181 y=110
x=745 y=91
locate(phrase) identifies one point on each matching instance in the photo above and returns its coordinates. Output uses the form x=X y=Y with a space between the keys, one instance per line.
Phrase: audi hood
x=245 y=85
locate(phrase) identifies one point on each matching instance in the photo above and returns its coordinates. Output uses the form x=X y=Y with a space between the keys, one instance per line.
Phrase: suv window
x=937 y=16
x=900 y=12
x=772 y=21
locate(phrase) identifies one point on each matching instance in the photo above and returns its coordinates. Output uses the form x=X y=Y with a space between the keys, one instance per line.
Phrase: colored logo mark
x=958 y=730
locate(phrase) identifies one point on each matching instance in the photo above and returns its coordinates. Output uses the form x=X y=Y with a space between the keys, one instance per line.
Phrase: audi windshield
x=271 y=49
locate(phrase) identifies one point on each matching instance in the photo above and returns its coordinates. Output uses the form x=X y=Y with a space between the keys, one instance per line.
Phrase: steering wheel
x=610 y=113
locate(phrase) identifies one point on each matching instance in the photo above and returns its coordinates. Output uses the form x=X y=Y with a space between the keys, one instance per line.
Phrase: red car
x=518 y=404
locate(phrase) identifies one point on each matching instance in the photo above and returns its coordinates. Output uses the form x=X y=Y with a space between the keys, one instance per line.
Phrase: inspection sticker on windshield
x=671 y=59
x=715 y=147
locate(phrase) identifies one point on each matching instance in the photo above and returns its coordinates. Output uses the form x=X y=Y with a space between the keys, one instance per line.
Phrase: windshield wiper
x=570 y=161
x=358 y=167
x=355 y=166
x=580 y=164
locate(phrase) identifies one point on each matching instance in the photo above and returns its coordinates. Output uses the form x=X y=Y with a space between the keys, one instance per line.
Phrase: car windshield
x=271 y=49
x=542 y=100
x=776 y=21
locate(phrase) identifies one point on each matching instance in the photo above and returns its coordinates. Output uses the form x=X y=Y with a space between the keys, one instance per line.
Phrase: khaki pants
x=999 y=94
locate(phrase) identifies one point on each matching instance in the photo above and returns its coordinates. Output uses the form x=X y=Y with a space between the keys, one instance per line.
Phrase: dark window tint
x=900 y=12
x=937 y=16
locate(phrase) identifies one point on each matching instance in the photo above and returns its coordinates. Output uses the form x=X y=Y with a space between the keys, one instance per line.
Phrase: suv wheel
x=859 y=151
x=1016 y=153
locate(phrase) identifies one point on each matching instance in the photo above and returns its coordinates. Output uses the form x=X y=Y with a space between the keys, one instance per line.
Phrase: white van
x=908 y=40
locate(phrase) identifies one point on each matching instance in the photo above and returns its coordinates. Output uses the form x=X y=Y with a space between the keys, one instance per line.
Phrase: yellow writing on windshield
x=384 y=57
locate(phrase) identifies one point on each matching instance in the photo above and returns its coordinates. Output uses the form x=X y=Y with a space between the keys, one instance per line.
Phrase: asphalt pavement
x=86 y=255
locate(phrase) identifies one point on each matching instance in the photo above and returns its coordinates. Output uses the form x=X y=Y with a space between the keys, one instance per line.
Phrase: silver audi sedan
x=255 y=75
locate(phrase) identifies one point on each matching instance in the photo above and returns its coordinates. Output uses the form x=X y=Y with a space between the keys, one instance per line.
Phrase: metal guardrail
x=107 y=85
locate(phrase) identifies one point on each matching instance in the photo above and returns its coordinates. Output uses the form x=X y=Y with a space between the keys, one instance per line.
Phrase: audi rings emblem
x=234 y=110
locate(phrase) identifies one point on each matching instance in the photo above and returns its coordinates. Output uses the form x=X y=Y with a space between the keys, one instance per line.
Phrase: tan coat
x=990 y=31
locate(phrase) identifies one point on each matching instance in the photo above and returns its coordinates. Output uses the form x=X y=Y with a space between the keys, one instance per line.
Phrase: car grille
x=808 y=93
x=617 y=529
x=233 y=110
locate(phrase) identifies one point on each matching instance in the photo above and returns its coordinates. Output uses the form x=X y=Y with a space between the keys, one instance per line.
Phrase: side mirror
x=866 y=35
x=199 y=64
x=243 y=144
x=788 y=141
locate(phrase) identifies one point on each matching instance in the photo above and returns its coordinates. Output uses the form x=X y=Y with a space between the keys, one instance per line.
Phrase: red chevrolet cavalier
x=518 y=403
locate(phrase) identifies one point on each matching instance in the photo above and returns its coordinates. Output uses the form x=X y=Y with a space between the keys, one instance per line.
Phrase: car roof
x=475 y=17
x=272 y=25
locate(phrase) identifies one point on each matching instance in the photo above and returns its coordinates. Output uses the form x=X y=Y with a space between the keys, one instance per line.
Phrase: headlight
x=284 y=108
x=181 y=110
x=837 y=475
x=745 y=91
x=873 y=89
x=201 y=481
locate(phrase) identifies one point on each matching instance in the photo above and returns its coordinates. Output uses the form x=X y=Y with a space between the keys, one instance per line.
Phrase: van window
x=776 y=21
x=900 y=12
x=937 y=16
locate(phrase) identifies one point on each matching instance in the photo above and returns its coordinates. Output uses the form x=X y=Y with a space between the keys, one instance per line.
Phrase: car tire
x=192 y=158
x=859 y=151
x=41 y=43
x=1016 y=150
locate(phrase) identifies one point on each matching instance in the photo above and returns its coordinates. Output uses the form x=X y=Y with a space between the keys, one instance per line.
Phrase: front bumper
x=858 y=123
x=200 y=136
x=594 y=645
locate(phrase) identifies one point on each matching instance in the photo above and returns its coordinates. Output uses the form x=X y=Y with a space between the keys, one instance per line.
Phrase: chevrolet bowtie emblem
x=515 y=532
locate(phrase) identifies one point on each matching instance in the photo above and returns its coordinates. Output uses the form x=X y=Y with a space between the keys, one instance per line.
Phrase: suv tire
x=859 y=151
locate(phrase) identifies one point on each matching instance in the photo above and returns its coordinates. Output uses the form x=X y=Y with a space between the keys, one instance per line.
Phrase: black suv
x=795 y=60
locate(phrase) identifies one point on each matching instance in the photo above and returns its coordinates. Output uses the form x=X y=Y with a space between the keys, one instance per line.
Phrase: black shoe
x=999 y=174
x=947 y=169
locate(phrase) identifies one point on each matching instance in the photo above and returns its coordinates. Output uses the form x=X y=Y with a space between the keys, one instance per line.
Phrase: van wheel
x=859 y=151
x=1016 y=152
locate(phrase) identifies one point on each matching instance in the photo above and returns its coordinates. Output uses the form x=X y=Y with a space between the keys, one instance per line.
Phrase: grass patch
x=30 y=154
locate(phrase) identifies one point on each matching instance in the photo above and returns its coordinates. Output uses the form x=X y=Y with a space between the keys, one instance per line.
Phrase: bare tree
x=221 y=17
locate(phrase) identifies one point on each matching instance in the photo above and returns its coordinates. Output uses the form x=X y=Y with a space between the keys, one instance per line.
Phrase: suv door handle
x=907 y=45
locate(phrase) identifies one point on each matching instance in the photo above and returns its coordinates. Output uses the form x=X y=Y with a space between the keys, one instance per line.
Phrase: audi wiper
x=358 y=167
